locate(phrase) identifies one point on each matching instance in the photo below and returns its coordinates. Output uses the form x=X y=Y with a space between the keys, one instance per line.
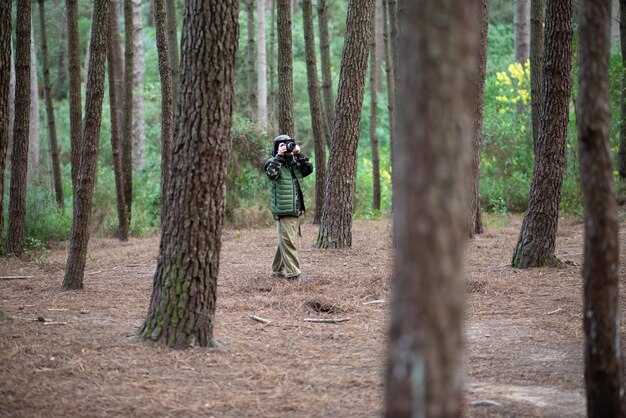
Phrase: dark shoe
x=300 y=278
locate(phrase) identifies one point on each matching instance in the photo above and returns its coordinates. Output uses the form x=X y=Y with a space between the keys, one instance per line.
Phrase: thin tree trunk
x=424 y=373
x=167 y=103
x=5 y=81
x=117 y=61
x=151 y=13
x=285 y=69
x=127 y=137
x=250 y=49
x=327 y=79
x=115 y=77
x=380 y=43
x=392 y=8
x=374 y=77
x=521 y=19
x=79 y=239
x=537 y=18
x=621 y=163
x=261 y=66
x=172 y=40
x=318 y=118
x=391 y=81
x=75 y=94
x=336 y=224
x=604 y=367
x=52 y=130
x=19 y=156
x=62 y=86
x=475 y=216
x=182 y=307
x=536 y=243
x=271 y=61
x=11 y=109
x=138 y=55
x=33 y=132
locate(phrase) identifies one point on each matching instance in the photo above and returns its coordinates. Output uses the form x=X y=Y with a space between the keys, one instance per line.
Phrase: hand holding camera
x=288 y=147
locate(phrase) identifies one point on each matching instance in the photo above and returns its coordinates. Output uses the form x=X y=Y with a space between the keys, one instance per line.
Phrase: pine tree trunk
x=5 y=81
x=115 y=88
x=424 y=374
x=336 y=224
x=621 y=163
x=380 y=43
x=127 y=137
x=79 y=239
x=11 y=109
x=62 y=86
x=285 y=69
x=172 y=39
x=75 y=94
x=318 y=118
x=52 y=130
x=34 y=169
x=604 y=367
x=182 y=307
x=536 y=243
x=262 y=66
x=374 y=77
x=117 y=62
x=250 y=49
x=521 y=19
x=537 y=19
x=475 y=215
x=138 y=55
x=167 y=103
x=271 y=61
x=151 y=13
x=391 y=81
x=327 y=78
x=19 y=156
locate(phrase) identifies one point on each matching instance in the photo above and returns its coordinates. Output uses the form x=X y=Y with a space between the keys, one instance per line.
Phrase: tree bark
x=75 y=94
x=285 y=69
x=139 y=137
x=537 y=19
x=318 y=118
x=327 y=78
x=621 y=163
x=52 y=130
x=271 y=61
x=391 y=80
x=604 y=368
x=182 y=307
x=115 y=88
x=79 y=239
x=262 y=66
x=5 y=81
x=62 y=86
x=250 y=49
x=172 y=40
x=19 y=156
x=117 y=62
x=127 y=136
x=536 y=244
x=374 y=77
x=336 y=224
x=379 y=42
x=167 y=103
x=33 y=132
x=475 y=215
x=438 y=45
x=521 y=22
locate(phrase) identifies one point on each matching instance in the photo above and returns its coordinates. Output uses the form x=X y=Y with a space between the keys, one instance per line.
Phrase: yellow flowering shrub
x=513 y=87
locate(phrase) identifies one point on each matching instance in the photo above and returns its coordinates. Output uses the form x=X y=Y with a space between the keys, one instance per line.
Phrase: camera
x=290 y=145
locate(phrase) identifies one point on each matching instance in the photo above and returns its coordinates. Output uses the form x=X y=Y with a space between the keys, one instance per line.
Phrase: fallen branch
x=15 y=277
x=327 y=320
x=484 y=402
x=91 y=273
x=258 y=318
x=557 y=310
x=54 y=323
x=371 y=302
x=57 y=309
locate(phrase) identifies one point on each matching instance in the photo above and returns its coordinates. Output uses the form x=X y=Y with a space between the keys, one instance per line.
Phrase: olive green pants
x=286 y=261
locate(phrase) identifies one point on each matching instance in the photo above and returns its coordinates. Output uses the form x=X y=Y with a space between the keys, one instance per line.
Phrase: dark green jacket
x=285 y=174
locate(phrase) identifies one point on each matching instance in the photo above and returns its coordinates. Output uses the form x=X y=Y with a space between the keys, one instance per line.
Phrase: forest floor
x=524 y=339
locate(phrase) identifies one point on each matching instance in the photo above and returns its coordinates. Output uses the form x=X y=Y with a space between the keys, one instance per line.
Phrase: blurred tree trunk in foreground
x=5 y=80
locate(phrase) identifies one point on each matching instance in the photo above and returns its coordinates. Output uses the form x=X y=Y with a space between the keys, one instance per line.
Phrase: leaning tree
x=336 y=223
x=536 y=244
x=182 y=307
